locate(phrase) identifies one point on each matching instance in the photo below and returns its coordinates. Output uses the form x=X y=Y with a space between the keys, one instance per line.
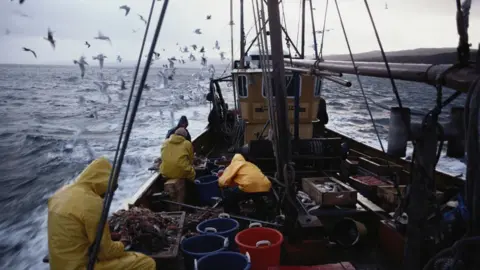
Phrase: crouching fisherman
x=241 y=179
x=177 y=165
x=73 y=215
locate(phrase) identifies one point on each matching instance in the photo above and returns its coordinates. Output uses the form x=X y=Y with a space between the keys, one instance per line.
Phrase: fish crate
x=172 y=252
x=365 y=184
x=378 y=166
x=344 y=196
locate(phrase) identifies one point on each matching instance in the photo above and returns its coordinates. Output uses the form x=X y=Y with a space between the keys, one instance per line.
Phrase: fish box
x=379 y=166
x=366 y=185
x=341 y=195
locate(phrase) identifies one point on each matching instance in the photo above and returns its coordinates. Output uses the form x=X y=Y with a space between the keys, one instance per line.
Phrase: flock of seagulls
x=168 y=72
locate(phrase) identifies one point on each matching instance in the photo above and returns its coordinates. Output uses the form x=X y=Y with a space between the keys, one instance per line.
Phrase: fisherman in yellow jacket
x=177 y=157
x=243 y=178
x=73 y=215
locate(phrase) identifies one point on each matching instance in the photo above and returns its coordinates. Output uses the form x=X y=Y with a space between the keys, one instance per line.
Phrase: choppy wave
x=52 y=124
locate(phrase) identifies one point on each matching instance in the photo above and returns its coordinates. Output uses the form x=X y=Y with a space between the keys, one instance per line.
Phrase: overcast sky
x=406 y=24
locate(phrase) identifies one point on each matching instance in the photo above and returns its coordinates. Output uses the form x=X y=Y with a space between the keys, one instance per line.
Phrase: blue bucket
x=225 y=227
x=207 y=187
x=224 y=260
x=196 y=247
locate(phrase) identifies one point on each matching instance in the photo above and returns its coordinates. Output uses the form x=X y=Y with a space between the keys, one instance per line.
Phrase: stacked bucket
x=220 y=246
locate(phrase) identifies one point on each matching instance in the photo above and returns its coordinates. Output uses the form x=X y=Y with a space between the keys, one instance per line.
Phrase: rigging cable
x=232 y=56
x=116 y=170
x=298 y=23
x=313 y=30
x=286 y=39
x=358 y=78
x=323 y=31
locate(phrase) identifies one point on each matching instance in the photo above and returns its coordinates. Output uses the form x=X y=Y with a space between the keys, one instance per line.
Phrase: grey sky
x=406 y=24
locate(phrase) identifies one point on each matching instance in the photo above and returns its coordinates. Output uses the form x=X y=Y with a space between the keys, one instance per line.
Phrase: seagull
x=141 y=18
x=204 y=61
x=161 y=74
x=21 y=1
x=321 y=32
x=157 y=55
x=29 y=50
x=171 y=63
x=81 y=63
x=209 y=17
x=192 y=57
x=198 y=31
x=103 y=37
x=217 y=45
x=50 y=38
x=202 y=50
x=194 y=47
x=222 y=56
x=21 y=14
x=88 y=44
x=100 y=59
x=386 y=6
x=122 y=86
x=126 y=8
x=185 y=49
x=135 y=30
x=119 y=59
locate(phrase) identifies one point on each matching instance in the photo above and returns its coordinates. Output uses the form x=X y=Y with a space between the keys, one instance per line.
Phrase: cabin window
x=318 y=87
x=242 y=86
x=292 y=83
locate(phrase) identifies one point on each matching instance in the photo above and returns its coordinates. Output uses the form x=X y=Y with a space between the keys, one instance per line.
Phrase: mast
x=242 y=37
x=303 y=30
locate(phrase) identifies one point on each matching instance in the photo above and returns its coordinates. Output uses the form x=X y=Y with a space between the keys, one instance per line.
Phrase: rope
x=232 y=56
x=358 y=77
x=285 y=23
x=116 y=169
x=323 y=31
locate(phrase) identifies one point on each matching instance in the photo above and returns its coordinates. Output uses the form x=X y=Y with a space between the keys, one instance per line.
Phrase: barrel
x=223 y=226
x=201 y=245
x=263 y=245
x=225 y=260
x=207 y=187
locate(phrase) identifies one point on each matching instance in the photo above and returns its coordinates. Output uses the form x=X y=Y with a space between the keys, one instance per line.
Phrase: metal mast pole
x=303 y=29
x=242 y=37
x=278 y=75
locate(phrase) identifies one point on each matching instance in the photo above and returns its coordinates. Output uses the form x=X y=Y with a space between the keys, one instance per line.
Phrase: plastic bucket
x=348 y=232
x=207 y=187
x=225 y=260
x=263 y=245
x=223 y=226
x=201 y=245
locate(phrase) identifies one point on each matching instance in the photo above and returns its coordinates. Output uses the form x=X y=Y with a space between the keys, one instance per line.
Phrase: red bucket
x=263 y=245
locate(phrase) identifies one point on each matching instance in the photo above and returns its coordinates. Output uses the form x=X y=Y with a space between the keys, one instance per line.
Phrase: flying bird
x=100 y=59
x=122 y=86
x=119 y=58
x=50 y=38
x=204 y=61
x=143 y=19
x=198 y=31
x=209 y=17
x=192 y=57
x=202 y=50
x=157 y=55
x=126 y=8
x=29 y=50
x=171 y=63
x=217 y=45
x=81 y=63
x=103 y=37
x=194 y=47
x=222 y=56
x=88 y=44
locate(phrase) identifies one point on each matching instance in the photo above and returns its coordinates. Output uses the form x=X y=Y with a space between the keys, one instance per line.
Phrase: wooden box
x=347 y=195
x=379 y=166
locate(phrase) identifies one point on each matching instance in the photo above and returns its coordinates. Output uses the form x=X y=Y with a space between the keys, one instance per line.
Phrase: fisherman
x=241 y=179
x=177 y=165
x=182 y=123
x=73 y=215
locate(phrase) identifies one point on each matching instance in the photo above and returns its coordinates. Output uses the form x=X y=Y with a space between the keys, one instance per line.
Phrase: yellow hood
x=237 y=158
x=95 y=176
x=176 y=139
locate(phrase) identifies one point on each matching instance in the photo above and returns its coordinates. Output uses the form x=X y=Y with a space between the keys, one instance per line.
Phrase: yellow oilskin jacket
x=73 y=215
x=246 y=175
x=177 y=158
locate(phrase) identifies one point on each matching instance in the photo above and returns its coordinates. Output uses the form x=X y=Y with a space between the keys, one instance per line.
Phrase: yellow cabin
x=253 y=103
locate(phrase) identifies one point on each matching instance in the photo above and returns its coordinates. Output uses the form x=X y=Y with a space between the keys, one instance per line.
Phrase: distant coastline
x=417 y=56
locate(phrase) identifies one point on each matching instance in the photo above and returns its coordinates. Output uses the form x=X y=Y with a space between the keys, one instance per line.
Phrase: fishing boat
x=383 y=212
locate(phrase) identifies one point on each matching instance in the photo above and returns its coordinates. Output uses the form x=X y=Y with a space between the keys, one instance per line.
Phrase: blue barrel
x=225 y=260
x=207 y=187
x=225 y=227
x=201 y=245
